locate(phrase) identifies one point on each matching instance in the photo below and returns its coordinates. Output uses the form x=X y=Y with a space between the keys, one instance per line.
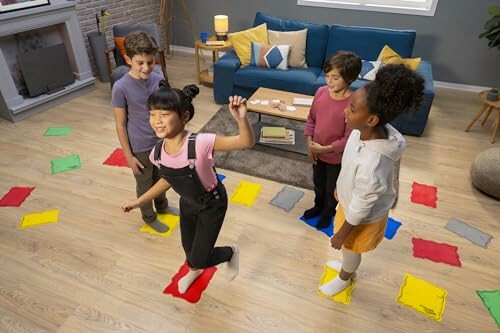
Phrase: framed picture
x=11 y=5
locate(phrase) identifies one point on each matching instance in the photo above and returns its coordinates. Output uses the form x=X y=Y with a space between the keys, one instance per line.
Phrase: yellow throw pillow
x=242 y=41
x=389 y=56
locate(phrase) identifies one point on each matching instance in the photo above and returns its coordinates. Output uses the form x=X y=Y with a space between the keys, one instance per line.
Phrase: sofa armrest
x=425 y=69
x=224 y=70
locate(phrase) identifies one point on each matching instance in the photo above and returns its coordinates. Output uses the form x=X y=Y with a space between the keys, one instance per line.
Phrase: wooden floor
x=93 y=271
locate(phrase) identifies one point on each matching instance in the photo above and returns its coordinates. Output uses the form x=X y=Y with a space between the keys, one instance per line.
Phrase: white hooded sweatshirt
x=365 y=184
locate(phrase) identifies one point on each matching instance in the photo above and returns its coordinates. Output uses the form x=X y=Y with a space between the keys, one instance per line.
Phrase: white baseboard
x=438 y=84
x=457 y=86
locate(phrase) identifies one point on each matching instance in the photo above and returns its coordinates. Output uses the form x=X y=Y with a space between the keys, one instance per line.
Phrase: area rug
x=264 y=162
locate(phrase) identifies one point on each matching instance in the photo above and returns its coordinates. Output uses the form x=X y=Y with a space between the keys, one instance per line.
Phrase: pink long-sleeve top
x=326 y=124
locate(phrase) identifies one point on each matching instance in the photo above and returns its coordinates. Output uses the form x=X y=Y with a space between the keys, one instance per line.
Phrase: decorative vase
x=97 y=42
x=492 y=96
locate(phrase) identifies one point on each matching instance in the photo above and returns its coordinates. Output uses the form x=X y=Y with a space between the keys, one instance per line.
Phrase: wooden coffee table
x=286 y=98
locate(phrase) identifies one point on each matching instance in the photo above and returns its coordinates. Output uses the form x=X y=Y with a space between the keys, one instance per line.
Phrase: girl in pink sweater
x=327 y=133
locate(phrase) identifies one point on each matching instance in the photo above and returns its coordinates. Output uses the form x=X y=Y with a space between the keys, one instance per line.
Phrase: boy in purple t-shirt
x=326 y=132
x=137 y=138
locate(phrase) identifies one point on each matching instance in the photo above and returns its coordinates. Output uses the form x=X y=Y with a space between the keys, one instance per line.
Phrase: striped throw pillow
x=270 y=56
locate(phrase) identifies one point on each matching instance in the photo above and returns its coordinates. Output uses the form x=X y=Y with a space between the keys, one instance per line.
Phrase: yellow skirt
x=363 y=237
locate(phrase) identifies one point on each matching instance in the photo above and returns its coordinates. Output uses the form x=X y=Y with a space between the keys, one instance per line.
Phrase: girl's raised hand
x=238 y=106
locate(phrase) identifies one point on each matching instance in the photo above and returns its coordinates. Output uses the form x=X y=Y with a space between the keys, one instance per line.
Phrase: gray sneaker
x=158 y=226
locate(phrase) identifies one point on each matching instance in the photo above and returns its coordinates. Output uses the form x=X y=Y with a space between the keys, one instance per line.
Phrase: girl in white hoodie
x=365 y=188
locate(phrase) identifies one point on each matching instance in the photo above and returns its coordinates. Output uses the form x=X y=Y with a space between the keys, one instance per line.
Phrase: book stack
x=277 y=135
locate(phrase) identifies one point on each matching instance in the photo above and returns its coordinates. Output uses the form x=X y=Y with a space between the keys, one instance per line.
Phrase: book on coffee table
x=273 y=132
x=288 y=140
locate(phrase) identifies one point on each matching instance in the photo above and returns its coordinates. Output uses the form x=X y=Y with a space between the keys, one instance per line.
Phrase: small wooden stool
x=487 y=107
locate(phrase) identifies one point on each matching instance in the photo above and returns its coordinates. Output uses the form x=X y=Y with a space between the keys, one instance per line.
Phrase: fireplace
x=32 y=29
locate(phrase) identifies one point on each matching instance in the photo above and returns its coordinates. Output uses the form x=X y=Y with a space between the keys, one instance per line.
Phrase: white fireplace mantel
x=14 y=106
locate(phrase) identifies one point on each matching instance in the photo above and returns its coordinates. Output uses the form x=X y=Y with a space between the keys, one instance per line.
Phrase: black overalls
x=201 y=212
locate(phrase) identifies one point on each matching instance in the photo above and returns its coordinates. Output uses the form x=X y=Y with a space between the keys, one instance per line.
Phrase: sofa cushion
x=317 y=35
x=300 y=80
x=270 y=56
x=367 y=42
x=242 y=41
x=296 y=39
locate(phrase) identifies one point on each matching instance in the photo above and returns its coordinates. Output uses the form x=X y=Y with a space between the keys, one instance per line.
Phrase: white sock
x=233 y=265
x=337 y=265
x=334 y=287
x=187 y=280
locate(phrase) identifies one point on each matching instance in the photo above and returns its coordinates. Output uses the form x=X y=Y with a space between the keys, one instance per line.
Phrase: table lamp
x=221 y=26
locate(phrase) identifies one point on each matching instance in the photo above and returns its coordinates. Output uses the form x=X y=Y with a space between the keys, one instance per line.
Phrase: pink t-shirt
x=204 y=163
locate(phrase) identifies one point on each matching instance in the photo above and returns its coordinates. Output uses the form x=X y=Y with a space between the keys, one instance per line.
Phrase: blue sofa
x=322 y=41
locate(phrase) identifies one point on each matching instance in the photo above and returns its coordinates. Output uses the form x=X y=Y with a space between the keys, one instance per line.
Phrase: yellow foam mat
x=423 y=297
x=343 y=297
x=35 y=219
x=169 y=219
x=245 y=193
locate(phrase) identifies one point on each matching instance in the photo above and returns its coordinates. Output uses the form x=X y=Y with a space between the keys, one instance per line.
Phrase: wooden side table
x=203 y=75
x=488 y=107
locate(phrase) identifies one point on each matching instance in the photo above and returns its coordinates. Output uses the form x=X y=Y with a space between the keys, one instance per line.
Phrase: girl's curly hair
x=395 y=90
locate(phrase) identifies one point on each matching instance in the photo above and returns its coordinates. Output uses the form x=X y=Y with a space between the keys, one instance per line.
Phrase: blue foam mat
x=314 y=220
x=390 y=231
x=392 y=228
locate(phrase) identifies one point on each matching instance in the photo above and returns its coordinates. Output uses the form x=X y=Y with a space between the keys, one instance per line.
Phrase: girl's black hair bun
x=164 y=83
x=190 y=91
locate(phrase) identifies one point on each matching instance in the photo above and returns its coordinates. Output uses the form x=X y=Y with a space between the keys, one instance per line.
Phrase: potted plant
x=492 y=94
x=492 y=27
x=97 y=42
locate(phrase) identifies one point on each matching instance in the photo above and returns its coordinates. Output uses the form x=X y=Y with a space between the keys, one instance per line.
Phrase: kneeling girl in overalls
x=186 y=164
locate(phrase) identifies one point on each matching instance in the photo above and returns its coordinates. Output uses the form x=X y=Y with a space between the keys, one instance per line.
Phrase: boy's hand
x=127 y=206
x=135 y=165
x=238 y=107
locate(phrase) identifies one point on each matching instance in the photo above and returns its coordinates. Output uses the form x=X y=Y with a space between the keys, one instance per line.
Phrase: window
x=412 y=7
